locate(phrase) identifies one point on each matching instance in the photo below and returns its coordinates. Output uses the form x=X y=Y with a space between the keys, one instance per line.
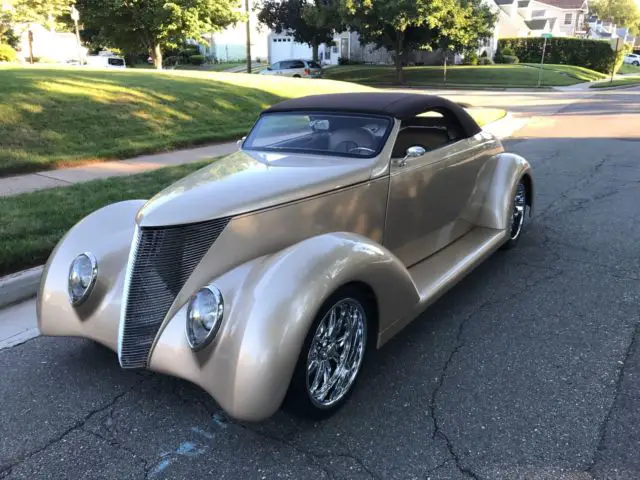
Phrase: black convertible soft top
x=400 y=105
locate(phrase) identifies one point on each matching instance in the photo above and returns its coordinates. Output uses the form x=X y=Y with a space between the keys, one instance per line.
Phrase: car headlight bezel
x=75 y=299
x=203 y=321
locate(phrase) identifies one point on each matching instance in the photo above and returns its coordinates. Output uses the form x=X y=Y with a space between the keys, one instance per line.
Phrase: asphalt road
x=528 y=369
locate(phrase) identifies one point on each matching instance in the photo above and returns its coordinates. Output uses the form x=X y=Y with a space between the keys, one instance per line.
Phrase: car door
x=430 y=200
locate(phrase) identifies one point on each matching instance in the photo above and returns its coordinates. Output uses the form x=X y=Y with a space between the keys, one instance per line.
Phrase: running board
x=435 y=275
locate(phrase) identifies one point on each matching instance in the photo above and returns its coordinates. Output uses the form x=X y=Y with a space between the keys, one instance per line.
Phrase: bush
x=510 y=59
x=346 y=61
x=189 y=52
x=7 y=53
x=594 y=54
x=485 y=61
x=196 y=59
x=470 y=58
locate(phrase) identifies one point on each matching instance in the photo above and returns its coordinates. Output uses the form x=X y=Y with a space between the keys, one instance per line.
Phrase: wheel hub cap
x=519 y=204
x=336 y=353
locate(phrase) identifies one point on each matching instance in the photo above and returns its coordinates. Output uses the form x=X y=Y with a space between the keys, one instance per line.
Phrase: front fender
x=508 y=170
x=107 y=233
x=270 y=303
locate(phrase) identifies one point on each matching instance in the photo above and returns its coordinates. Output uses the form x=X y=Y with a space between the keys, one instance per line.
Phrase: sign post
x=544 y=47
x=615 y=56
x=75 y=16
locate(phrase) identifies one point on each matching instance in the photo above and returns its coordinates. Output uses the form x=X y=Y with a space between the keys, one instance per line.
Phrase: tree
x=624 y=13
x=309 y=21
x=404 y=25
x=154 y=25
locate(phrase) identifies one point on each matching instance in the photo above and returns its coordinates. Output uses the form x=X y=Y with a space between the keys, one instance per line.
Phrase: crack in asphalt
x=577 y=184
x=76 y=426
x=437 y=467
x=619 y=378
x=438 y=429
x=314 y=456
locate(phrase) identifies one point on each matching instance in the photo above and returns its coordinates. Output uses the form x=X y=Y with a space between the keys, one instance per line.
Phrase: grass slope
x=620 y=82
x=53 y=117
x=524 y=75
x=32 y=223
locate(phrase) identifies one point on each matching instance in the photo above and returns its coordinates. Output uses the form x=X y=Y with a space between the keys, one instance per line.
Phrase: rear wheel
x=636 y=63
x=332 y=355
x=297 y=76
x=518 y=213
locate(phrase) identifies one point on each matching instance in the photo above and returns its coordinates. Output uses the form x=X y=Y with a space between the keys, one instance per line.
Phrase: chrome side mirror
x=412 y=152
x=239 y=142
x=416 y=151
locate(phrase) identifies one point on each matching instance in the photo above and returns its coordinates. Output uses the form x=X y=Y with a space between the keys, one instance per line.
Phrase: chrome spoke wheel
x=519 y=207
x=336 y=353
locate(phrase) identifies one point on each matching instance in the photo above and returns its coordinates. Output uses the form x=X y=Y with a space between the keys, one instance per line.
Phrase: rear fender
x=509 y=170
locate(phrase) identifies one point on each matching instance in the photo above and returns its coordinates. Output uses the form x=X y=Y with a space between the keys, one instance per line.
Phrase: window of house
x=537 y=13
x=567 y=18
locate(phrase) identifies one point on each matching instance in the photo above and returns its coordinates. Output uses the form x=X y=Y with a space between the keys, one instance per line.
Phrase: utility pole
x=75 y=15
x=246 y=4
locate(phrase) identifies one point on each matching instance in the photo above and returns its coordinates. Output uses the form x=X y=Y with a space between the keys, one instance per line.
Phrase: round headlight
x=204 y=316
x=82 y=277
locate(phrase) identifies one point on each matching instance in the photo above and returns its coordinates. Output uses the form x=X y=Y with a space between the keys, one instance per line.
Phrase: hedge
x=594 y=54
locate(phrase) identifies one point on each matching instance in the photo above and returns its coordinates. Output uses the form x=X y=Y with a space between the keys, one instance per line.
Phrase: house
x=48 y=45
x=526 y=18
x=230 y=44
x=603 y=30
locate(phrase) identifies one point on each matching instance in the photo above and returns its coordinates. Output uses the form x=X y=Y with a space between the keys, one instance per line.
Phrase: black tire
x=297 y=76
x=517 y=223
x=298 y=399
x=636 y=63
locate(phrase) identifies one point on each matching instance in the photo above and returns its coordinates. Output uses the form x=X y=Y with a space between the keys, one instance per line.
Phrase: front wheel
x=518 y=213
x=332 y=355
x=636 y=63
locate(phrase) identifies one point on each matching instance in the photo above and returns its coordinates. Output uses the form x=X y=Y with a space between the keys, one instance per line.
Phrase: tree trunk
x=399 y=56
x=314 y=49
x=30 y=35
x=156 y=56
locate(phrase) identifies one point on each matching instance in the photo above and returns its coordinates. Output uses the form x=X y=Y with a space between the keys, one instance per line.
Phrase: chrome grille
x=163 y=259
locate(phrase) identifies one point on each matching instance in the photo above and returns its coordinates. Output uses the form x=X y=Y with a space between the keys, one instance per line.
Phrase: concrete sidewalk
x=67 y=176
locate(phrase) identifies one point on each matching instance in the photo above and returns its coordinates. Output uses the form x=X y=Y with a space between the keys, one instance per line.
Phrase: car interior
x=431 y=130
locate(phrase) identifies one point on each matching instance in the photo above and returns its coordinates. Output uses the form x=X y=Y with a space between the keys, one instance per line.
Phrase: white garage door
x=284 y=48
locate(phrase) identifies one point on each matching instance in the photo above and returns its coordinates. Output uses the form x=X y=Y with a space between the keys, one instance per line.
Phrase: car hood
x=248 y=181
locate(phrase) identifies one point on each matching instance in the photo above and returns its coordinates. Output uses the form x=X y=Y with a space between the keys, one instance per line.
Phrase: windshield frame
x=383 y=140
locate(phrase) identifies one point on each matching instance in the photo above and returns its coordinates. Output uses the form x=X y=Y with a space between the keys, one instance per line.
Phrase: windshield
x=319 y=133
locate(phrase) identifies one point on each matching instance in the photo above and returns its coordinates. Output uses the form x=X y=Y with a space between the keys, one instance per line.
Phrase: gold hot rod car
x=268 y=275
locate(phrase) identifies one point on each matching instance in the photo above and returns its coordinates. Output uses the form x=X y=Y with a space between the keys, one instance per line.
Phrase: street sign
x=547 y=35
x=75 y=14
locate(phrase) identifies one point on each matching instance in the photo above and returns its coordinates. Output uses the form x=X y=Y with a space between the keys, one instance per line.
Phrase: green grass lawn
x=32 y=223
x=52 y=117
x=628 y=69
x=621 y=82
x=524 y=75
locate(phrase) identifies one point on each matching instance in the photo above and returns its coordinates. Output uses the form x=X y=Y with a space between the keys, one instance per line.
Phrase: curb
x=23 y=285
x=19 y=286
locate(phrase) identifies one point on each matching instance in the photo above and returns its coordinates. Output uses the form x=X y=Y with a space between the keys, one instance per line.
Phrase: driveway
x=528 y=369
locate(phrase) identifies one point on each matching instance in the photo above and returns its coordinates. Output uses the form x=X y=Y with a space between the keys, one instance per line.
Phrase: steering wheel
x=363 y=149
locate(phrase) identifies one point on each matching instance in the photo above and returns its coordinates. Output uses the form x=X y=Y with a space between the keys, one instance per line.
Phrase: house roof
x=536 y=24
x=504 y=2
x=523 y=3
x=396 y=104
x=564 y=4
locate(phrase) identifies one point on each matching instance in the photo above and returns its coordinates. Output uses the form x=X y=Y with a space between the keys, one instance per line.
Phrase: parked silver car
x=294 y=68
x=632 y=59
